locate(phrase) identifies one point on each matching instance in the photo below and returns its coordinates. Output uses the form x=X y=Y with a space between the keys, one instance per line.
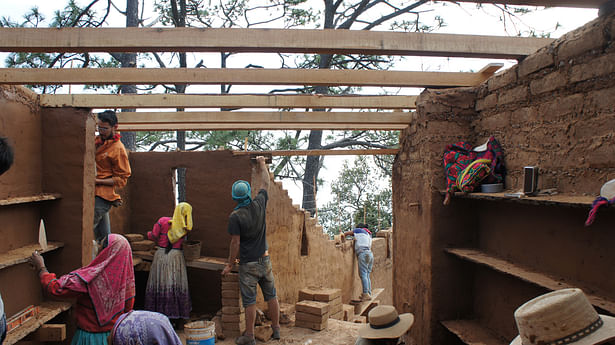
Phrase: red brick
x=595 y=68
x=517 y=94
x=588 y=39
x=550 y=82
x=537 y=61
x=505 y=78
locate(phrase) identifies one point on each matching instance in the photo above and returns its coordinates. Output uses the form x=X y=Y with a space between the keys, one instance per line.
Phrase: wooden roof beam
x=229 y=101
x=548 y=3
x=153 y=127
x=266 y=41
x=242 y=76
x=319 y=152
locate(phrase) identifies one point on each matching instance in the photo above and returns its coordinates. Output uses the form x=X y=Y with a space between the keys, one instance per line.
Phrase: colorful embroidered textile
x=109 y=278
x=141 y=327
x=159 y=234
x=181 y=223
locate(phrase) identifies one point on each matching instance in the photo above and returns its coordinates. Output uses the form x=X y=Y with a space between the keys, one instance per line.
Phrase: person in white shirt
x=365 y=257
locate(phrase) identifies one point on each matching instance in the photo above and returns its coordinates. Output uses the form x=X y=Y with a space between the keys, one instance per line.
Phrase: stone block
x=550 y=82
x=263 y=333
x=537 y=61
x=301 y=316
x=313 y=325
x=517 y=94
x=503 y=79
x=598 y=67
x=312 y=307
x=327 y=295
x=589 y=39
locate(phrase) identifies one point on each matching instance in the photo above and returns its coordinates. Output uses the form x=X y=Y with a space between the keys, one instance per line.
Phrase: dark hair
x=362 y=226
x=108 y=116
x=6 y=155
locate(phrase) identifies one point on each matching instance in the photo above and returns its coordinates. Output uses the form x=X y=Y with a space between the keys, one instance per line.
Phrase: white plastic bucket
x=200 y=333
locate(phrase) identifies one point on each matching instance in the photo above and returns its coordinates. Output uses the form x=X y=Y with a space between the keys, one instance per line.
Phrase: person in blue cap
x=247 y=227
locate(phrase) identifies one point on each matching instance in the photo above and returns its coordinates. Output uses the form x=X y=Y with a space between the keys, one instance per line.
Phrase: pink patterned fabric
x=110 y=278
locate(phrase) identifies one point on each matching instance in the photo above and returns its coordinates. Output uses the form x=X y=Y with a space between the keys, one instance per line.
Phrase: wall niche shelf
x=528 y=275
x=22 y=254
x=30 y=198
x=47 y=311
x=542 y=200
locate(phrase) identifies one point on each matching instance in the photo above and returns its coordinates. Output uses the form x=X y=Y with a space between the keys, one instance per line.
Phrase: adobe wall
x=52 y=155
x=555 y=110
x=208 y=181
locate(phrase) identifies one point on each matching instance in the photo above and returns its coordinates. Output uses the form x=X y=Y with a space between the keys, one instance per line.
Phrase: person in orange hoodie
x=112 y=170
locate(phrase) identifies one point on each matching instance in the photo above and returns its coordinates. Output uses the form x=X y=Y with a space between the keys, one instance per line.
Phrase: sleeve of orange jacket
x=121 y=168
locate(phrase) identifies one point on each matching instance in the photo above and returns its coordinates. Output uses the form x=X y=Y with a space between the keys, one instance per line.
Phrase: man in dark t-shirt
x=248 y=230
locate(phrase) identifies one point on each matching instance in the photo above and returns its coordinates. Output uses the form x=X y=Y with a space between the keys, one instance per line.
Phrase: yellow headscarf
x=181 y=222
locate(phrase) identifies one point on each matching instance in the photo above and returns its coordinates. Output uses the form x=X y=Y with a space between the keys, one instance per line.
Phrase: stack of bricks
x=348 y=312
x=233 y=313
x=312 y=314
x=333 y=297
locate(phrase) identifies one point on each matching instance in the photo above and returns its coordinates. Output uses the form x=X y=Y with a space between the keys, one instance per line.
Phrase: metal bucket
x=200 y=333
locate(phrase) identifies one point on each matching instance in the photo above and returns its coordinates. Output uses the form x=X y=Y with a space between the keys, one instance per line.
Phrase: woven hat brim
x=405 y=322
x=604 y=333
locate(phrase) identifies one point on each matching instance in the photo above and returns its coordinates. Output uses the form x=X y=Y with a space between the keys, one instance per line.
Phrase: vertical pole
x=315 y=207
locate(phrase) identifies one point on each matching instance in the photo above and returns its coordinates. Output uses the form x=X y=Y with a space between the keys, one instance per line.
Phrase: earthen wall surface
x=555 y=110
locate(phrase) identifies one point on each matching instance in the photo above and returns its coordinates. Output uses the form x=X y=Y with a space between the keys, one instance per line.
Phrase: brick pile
x=233 y=313
x=312 y=314
x=333 y=297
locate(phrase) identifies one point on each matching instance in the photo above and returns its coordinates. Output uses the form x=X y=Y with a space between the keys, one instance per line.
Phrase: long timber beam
x=266 y=41
x=547 y=3
x=230 y=120
x=236 y=76
x=229 y=101
x=345 y=152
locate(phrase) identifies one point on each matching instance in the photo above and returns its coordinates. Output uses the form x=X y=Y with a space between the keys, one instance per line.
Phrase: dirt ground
x=337 y=333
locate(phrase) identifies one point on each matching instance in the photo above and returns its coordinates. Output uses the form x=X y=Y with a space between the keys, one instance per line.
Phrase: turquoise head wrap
x=241 y=193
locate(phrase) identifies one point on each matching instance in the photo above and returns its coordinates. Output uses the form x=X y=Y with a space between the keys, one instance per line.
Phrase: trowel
x=42 y=236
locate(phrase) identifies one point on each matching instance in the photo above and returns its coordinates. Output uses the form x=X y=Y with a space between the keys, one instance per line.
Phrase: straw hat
x=384 y=323
x=562 y=317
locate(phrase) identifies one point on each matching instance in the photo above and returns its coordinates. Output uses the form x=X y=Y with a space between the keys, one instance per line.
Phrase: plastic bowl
x=492 y=188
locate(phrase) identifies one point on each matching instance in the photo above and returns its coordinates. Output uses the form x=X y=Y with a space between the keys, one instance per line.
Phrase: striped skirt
x=167 y=286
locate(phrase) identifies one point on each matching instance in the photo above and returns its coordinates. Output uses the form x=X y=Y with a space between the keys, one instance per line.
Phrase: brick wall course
x=548 y=82
x=488 y=102
x=601 y=66
x=502 y=79
x=590 y=39
x=517 y=94
x=537 y=61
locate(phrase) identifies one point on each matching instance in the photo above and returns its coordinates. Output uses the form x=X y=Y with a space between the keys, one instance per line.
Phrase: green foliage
x=360 y=194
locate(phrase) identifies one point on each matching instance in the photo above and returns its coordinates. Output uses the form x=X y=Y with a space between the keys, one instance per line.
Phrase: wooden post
x=378 y=214
x=245 y=145
x=314 y=188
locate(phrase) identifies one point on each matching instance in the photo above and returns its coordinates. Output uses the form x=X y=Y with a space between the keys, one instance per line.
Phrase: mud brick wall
x=555 y=110
x=54 y=153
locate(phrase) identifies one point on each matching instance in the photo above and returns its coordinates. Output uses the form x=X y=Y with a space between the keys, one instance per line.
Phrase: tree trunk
x=129 y=60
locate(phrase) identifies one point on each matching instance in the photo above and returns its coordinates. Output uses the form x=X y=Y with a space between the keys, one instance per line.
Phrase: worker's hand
x=227 y=269
x=37 y=261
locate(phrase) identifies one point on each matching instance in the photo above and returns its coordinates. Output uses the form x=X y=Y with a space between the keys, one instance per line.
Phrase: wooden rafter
x=548 y=3
x=46 y=76
x=265 y=40
x=231 y=101
x=349 y=152
x=227 y=120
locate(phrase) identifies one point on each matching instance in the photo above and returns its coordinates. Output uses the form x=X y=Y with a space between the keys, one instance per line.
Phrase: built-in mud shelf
x=21 y=255
x=529 y=275
x=204 y=262
x=472 y=333
x=30 y=198
x=47 y=311
x=545 y=200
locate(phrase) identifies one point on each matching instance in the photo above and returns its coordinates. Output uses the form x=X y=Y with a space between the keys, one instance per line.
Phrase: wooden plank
x=47 y=311
x=219 y=117
x=256 y=126
x=472 y=333
x=361 y=307
x=530 y=275
x=239 y=76
x=22 y=254
x=265 y=40
x=128 y=101
x=549 y=3
x=546 y=200
x=30 y=198
x=319 y=152
x=204 y=262
x=48 y=333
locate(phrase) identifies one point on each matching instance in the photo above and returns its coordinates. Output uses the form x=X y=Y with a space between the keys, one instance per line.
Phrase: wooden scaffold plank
x=266 y=40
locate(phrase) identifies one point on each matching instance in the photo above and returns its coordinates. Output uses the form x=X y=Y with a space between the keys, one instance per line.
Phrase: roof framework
x=270 y=111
